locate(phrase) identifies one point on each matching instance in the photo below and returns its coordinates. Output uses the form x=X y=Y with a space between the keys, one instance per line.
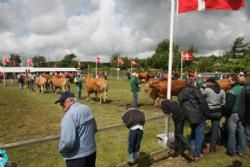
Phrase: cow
x=144 y=76
x=157 y=89
x=224 y=84
x=40 y=82
x=60 y=82
x=97 y=86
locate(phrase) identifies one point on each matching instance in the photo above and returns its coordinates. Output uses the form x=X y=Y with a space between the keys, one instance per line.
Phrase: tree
x=15 y=60
x=68 y=61
x=239 y=48
x=39 y=61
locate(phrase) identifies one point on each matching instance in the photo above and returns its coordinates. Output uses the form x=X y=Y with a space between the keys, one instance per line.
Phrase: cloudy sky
x=54 y=28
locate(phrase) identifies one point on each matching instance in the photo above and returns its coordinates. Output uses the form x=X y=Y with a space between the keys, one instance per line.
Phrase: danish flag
x=98 y=60
x=29 y=62
x=120 y=61
x=6 y=60
x=133 y=62
x=199 y=5
x=187 y=56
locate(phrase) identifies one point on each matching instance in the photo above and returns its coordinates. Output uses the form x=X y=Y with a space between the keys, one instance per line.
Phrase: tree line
x=234 y=60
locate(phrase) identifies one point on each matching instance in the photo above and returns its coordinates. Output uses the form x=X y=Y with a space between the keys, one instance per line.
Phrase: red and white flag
x=29 y=62
x=133 y=62
x=98 y=60
x=78 y=64
x=6 y=61
x=187 y=56
x=199 y=5
x=120 y=61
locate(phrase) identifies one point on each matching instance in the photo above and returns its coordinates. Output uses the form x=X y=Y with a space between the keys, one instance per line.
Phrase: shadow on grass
x=235 y=163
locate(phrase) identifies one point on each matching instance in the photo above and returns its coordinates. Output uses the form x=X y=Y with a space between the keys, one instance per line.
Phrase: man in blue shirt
x=78 y=127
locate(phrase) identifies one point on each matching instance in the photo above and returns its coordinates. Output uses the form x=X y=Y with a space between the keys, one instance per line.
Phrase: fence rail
x=56 y=137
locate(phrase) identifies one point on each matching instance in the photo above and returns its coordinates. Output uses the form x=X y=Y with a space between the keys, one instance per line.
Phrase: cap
x=64 y=96
x=135 y=74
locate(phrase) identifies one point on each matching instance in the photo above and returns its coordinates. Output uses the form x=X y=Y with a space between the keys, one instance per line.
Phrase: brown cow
x=224 y=84
x=97 y=86
x=144 y=76
x=157 y=89
x=40 y=82
x=60 y=82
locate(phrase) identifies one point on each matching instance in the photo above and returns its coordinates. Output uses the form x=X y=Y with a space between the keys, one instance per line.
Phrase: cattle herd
x=155 y=87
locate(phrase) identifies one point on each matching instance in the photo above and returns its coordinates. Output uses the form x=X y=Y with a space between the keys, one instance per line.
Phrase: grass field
x=27 y=115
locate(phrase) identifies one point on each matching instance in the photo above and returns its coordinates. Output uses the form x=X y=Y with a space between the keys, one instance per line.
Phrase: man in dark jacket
x=134 y=121
x=173 y=108
x=196 y=108
x=234 y=124
x=244 y=112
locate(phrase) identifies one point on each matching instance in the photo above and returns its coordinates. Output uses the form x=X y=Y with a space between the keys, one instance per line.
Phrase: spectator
x=171 y=107
x=233 y=123
x=196 y=107
x=199 y=81
x=215 y=97
x=134 y=120
x=134 y=84
x=78 y=82
x=244 y=112
x=78 y=127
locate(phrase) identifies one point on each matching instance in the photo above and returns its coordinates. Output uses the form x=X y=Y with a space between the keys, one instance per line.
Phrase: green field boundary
x=56 y=137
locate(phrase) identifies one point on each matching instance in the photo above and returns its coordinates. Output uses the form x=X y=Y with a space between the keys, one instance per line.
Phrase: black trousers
x=181 y=142
x=134 y=140
x=88 y=161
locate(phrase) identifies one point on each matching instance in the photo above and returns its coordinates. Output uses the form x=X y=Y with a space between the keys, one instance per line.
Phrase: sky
x=90 y=28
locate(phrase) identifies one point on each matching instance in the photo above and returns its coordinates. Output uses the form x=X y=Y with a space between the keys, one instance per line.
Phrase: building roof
x=35 y=69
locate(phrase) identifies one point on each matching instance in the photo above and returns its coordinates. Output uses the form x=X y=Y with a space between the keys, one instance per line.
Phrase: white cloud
x=103 y=27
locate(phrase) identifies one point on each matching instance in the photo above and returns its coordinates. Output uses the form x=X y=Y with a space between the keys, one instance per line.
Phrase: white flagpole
x=118 y=69
x=181 y=66
x=170 y=63
x=95 y=68
x=131 y=66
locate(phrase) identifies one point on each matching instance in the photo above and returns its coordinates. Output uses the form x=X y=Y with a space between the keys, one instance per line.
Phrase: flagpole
x=170 y=63
x=96 y=69
x=181 y=66
x=131 y=66
x=118 y=69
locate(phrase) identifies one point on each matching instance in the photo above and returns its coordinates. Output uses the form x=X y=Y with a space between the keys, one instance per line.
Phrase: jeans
x=181 y=143
x=79 y=92
x=234 y=125
x=134 y=140
x=197 y=137
x=215 y=121
x=88 y=161
x=247 y=133
x=135 y=99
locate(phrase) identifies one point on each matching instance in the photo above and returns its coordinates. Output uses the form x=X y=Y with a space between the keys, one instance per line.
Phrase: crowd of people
x=211 y=103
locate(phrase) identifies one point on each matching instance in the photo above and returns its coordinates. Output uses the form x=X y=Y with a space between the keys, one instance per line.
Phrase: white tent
x=34 y=69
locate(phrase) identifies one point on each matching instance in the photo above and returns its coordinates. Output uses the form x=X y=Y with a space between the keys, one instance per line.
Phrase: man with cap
x=134 y=84
x=78 y=127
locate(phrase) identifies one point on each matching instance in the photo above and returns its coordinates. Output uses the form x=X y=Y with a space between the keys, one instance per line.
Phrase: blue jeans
x=234 y=125
x=135 y=99
x=247 y=133
x=134 y=140
x=197 y=137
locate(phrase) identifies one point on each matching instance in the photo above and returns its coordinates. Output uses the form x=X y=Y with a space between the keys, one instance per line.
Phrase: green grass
x=27 y=115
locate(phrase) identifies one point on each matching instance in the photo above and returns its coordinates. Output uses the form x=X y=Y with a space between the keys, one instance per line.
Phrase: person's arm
x=67 y=136
x=229 y=104
x=242 y=109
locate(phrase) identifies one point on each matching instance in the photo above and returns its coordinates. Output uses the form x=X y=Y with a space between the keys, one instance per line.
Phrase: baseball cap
x=64 y=96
